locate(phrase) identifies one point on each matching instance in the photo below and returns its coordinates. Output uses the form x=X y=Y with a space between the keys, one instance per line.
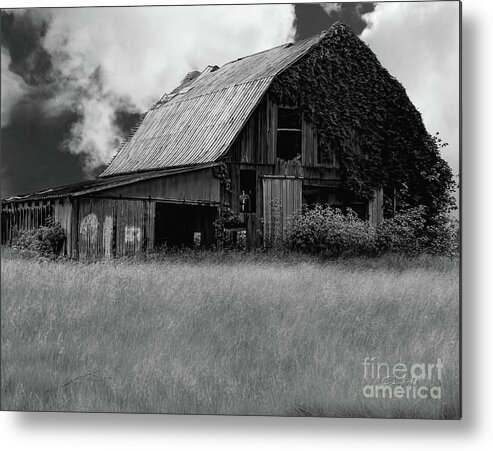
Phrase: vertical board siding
x=150 y=223
x=62 y=212
x=309 y=145
x=23 y=216
x=375 y=207
x=97 y=227
x=113 y=227
x=255 y=142
x=281 y=199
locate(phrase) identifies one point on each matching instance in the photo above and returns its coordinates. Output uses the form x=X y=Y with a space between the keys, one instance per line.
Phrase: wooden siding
x=282 y=198
x=112 y=227
x=23 y=216
x=308 y=145
x=98 y=227
x=256 y=141
x=63 y=213
x=197 y=186
x=375 y=208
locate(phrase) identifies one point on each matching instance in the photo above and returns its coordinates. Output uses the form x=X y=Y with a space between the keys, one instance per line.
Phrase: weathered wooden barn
x=223 y=151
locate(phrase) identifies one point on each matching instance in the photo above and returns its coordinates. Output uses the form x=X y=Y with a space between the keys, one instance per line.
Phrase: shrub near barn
x=45 y=241
x=330 y=233
x=326 y=231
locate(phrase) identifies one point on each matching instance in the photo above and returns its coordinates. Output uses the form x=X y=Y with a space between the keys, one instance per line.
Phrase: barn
x=235 y=150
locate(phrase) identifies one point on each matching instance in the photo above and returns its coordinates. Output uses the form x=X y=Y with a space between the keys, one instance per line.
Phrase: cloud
x=329 y=8
x=14 y=88
x=106 y=60
x=418 y=42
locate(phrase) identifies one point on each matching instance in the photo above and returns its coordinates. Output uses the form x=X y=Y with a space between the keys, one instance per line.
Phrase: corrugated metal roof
x=95 y=185
x=199 y=123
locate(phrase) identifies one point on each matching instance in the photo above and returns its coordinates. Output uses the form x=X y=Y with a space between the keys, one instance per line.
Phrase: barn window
x=248 y=188
x=288 y=133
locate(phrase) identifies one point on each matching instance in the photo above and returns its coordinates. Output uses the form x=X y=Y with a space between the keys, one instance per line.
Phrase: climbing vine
x=364 y=114
x=227 y=218
x=221 y=173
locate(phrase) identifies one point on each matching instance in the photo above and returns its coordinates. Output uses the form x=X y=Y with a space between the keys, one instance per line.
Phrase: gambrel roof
x=199 y=123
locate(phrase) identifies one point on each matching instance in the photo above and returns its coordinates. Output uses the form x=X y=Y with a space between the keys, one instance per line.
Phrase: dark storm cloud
x=41 y=112
x=31 y=154
x=312 y=18
x=22 y=35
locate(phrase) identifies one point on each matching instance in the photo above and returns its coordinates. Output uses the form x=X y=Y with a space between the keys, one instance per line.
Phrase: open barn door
x=282 y=198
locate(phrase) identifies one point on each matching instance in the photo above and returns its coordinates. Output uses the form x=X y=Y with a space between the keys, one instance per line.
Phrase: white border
x=120 y=432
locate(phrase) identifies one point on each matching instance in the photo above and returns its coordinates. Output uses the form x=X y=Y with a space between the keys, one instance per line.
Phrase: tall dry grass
x=208 y=336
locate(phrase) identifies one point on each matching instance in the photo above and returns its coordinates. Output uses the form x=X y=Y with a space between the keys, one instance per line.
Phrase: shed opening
x=178 y=225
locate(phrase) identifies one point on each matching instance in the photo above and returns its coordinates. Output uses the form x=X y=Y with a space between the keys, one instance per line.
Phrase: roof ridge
x=286 y=44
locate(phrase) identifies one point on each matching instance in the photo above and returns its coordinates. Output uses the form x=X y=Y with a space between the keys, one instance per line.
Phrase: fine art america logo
x=401 y=381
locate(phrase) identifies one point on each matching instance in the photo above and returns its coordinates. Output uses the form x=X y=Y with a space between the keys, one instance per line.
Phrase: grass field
x=225 y=334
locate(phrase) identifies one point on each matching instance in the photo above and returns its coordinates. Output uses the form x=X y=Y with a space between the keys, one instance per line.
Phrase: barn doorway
x=178 y=225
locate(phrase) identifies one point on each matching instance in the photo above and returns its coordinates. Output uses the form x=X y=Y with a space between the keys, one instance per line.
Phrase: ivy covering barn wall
x=364 y=114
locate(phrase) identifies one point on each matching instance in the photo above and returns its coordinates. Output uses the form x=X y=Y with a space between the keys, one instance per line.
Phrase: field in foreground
x=226 y=336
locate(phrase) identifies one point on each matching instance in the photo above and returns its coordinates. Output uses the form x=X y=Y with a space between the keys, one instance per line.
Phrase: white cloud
x=418 y=42
x=331 y=7
x=146 y=51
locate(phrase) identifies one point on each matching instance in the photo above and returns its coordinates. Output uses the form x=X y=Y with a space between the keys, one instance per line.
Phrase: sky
x=74 y=81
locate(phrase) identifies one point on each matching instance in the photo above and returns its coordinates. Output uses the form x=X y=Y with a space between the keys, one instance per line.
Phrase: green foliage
x=365 y=116
x=330 y=233
x=227 y=219
x=403 y=233
x=412 y=232
x=327 y=231
x=45 y=241
x=443 y=236
x=221 y=173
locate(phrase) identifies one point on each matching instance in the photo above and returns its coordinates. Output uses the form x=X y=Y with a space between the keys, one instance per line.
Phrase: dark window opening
x=288 y=133
x=336 y=198
x=179 y=225
x=248 y=190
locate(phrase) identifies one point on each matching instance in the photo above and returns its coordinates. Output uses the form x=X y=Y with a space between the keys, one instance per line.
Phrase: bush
x=404 y=232
x=329 y=232
x=443 y=236
x=45 y=241
x=410 y=233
